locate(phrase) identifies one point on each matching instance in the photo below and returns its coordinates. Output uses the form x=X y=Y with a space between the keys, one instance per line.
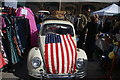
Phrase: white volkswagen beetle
x=57 y=55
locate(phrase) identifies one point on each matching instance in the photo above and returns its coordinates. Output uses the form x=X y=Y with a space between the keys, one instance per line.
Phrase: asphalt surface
x=94 y=71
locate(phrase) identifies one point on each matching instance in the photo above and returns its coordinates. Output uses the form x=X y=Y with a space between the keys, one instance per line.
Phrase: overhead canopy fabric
x=106 y=1
x=108 y=11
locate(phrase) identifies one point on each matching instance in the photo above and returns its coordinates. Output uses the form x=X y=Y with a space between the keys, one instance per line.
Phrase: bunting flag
x=60 y=53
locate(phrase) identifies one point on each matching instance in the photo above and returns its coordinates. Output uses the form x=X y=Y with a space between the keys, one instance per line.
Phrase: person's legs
x=90 y=47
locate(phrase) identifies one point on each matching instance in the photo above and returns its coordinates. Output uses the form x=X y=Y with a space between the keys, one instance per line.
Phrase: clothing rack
x=17 y=49
x=16 y=37
x=13 y=50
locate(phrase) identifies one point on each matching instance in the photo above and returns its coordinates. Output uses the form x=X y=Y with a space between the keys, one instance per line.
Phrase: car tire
x=80 y=78
x=32 y=78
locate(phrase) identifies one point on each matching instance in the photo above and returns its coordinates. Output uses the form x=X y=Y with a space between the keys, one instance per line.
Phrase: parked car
x=57 y=55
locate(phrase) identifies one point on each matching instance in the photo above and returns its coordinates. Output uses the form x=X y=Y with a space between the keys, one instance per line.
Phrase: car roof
x=43 y=11
x=57 y=21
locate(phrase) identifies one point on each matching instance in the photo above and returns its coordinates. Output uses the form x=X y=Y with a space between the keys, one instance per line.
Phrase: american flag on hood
x=60 y=53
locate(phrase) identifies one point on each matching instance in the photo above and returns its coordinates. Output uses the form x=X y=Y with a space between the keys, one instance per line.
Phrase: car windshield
x=57 y=29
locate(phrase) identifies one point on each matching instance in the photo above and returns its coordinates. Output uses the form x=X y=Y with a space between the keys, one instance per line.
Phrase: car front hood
x=60 y=54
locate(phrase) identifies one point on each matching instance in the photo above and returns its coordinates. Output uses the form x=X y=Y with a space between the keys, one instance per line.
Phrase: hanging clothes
x=2 y=22
x=3 y=59
x=23 y=30
x=33 y=29
x=9 y=41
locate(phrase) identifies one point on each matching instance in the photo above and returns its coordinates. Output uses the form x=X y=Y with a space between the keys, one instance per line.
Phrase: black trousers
x=90 y=46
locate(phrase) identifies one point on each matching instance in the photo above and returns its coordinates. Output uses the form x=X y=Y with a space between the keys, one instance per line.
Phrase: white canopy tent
x=108 y=11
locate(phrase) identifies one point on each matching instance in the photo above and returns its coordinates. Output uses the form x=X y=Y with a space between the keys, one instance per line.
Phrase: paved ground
x=8 y=76
x=94 y=72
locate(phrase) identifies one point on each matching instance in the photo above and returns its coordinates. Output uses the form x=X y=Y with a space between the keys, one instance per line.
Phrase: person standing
x=91 y=29
x=80 y=24
x=82 y=21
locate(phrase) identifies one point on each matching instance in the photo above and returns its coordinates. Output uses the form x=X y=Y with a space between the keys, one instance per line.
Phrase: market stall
x=108 y=49
x=108 y=11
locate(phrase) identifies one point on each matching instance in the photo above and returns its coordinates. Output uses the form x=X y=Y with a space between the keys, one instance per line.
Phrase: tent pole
x=60 y=5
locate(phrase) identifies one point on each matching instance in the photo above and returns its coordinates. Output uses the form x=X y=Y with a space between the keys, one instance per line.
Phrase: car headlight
x=80 y=63
x=36 y=62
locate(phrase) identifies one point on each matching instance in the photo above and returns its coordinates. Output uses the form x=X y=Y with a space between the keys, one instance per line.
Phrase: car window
x=57 y=29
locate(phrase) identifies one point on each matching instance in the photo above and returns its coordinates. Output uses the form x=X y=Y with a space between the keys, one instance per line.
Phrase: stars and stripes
x=60 y=53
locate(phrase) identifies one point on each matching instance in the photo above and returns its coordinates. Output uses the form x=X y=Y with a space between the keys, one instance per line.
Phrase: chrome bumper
x=46 y=76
